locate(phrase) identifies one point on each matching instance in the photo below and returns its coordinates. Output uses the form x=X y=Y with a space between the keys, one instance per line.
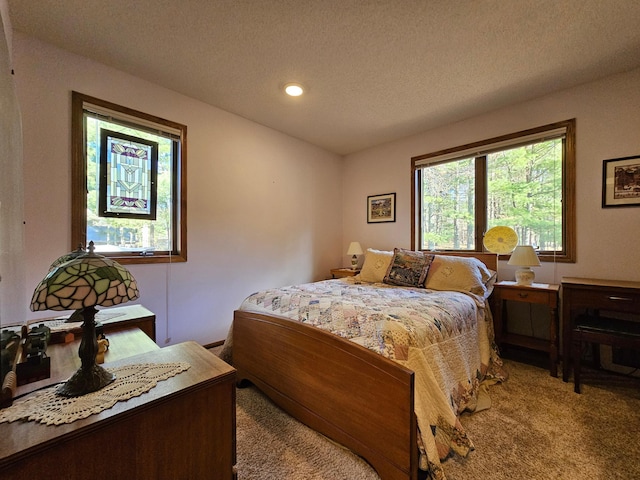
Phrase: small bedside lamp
x=82 y=283
x=524 y=256
x=354 y=249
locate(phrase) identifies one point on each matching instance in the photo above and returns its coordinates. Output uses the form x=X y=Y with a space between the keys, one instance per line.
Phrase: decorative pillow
x=408 y=268
x=460 y=274
x=375 y=266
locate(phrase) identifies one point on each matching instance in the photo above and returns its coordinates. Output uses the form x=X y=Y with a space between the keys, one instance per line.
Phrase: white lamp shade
x=354 y=249
x=524 y=256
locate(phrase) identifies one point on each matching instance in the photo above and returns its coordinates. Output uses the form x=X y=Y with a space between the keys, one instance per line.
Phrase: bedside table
x=344 y=272
x=540 y=293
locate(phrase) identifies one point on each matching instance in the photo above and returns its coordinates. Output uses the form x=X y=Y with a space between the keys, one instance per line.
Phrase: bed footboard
x=346 y=392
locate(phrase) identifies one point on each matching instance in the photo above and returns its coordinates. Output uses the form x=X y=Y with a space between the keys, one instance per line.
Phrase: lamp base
x=354 y=262
x=86 y=380
x=525 y=276
x=75 y=317
x=90 y=377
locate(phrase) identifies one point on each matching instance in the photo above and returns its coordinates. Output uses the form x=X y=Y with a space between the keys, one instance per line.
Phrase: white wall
x=12 y=294
x=607 y=116
x=264 y=209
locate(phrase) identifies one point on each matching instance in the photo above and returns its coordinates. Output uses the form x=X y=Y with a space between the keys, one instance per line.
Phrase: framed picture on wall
x=621 y=182
x=381 y=208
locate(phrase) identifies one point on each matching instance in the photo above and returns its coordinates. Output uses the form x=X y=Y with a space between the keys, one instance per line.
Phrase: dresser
x=123 y=343
x=590 y=295
x=184 y=427
x=113 y=319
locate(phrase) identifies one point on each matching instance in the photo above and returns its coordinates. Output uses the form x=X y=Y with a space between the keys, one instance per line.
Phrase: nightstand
x=344 y=272
x=540 y=293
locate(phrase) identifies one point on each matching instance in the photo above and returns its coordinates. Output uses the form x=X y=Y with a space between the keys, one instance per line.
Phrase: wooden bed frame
x=347 y=392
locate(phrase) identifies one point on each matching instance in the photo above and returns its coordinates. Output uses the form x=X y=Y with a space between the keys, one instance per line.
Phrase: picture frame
x=621 y=182
x=381 y=208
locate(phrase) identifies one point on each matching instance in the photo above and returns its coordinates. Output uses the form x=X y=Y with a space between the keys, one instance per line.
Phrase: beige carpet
x=273 y=446
x=537 y=428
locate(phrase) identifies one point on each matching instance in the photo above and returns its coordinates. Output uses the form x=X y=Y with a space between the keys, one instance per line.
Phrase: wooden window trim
x=568 y=189
x=79 y=186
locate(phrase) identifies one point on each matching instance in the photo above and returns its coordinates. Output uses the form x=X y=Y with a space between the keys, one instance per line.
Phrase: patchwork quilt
x=446 y=338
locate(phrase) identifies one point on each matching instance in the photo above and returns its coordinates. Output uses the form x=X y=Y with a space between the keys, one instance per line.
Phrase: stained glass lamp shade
x=77 y=315
x=82 y=283
x=68 y=256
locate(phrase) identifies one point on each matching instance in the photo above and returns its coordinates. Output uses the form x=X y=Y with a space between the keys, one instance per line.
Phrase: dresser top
x=595 y=282
x=21 y=439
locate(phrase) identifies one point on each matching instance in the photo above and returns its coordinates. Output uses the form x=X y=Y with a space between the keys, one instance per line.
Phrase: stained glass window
x=128 y=176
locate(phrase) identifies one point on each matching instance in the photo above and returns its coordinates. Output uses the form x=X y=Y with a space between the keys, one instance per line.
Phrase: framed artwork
x=621 y=182
x=381 y=208
x=128 y=176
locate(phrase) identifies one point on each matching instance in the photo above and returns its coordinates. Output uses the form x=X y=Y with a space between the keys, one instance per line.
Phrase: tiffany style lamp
x=77 y=315
x=82 y=283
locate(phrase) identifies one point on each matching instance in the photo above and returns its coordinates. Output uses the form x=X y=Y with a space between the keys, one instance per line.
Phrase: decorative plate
x=500 y=240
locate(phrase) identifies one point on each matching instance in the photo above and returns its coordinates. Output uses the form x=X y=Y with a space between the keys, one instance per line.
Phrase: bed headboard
x=489 y=259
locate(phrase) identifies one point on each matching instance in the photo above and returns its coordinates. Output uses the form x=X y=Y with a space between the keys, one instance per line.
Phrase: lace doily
x=51 y=409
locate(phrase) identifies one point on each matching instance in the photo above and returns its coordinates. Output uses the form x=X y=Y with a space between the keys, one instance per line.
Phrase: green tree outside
x=524 y=191
x=113 y=234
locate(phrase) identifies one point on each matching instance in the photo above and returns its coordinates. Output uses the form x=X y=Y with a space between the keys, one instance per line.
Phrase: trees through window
x=523 y=180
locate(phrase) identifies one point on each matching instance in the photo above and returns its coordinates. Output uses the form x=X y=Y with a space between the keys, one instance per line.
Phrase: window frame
x=484 y=147
x=79 y=179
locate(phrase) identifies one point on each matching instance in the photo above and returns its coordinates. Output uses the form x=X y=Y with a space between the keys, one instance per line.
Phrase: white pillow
x=375 y=266
x=460 y=274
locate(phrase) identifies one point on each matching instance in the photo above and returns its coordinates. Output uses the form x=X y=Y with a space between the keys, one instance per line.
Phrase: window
x=523 y=180
x=128 y=183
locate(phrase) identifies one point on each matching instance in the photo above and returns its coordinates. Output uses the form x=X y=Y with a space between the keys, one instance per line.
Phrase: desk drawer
x=606 y=299
x=521 y=295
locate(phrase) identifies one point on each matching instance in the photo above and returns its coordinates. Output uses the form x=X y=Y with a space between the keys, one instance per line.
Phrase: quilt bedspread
x=446 y=338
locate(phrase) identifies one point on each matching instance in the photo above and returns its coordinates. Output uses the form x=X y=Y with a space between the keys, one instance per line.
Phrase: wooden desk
x=582 y=294
x=182 y=428
x=541 y=293
x=123 y=343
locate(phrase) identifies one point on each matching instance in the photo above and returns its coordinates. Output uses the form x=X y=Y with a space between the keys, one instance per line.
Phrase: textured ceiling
x=375 y=71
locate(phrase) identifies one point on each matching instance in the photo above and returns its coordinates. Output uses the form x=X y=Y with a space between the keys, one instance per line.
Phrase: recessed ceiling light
x=293 y=89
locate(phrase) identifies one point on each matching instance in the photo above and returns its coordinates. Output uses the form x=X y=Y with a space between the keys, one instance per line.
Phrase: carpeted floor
x=537 y=428
x=273 y=446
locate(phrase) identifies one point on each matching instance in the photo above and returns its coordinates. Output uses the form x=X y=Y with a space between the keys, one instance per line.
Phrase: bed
x=340 y=356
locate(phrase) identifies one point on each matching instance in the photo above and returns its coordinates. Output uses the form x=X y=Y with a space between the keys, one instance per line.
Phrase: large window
x=129 y=182
x=524 y=180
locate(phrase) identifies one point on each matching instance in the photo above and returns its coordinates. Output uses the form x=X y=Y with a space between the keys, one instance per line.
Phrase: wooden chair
x=601 y=331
